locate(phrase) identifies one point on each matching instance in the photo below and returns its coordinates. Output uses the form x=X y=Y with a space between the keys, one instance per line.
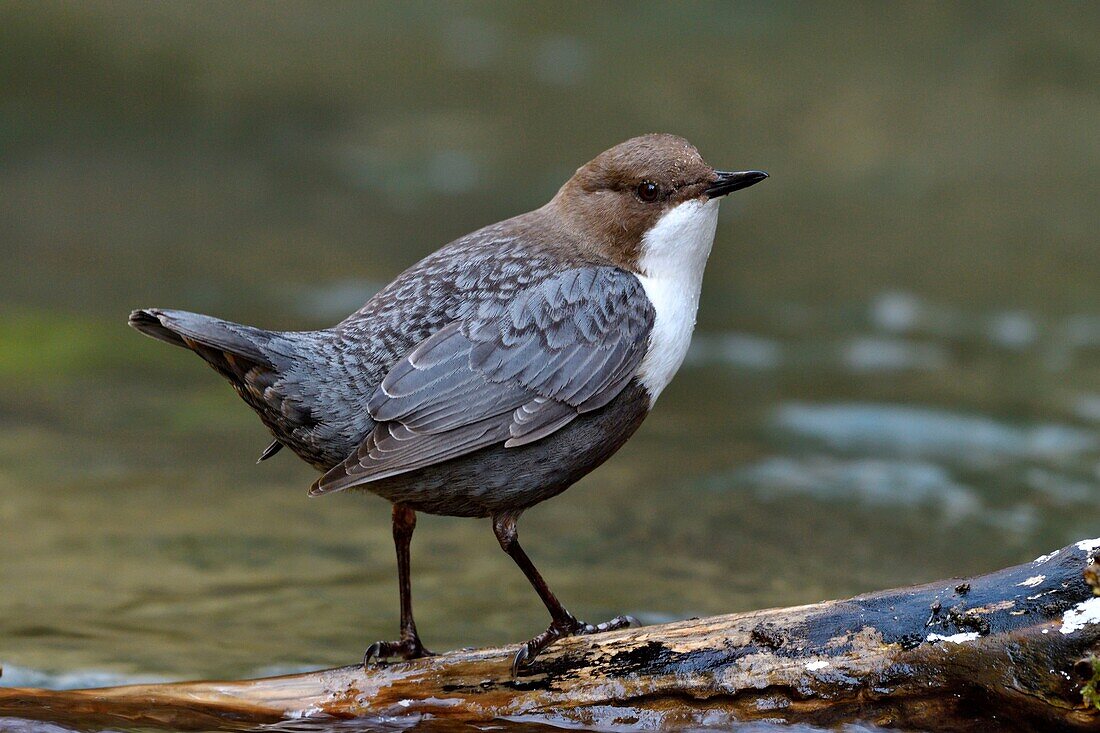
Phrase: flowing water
x=894 y=377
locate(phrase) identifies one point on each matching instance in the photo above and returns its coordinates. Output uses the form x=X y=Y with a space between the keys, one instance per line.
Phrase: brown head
x=622 y=193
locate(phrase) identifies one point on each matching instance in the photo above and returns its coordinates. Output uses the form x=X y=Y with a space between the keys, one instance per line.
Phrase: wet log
x=1012 y=650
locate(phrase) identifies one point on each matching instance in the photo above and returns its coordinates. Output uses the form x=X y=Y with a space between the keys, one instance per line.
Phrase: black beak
x=728 y=182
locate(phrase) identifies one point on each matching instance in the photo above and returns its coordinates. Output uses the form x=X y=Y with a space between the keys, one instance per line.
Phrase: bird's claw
x=407 y=648
x=570 y=627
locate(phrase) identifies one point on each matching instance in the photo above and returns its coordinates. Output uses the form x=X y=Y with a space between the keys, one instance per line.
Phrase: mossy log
x=1011 y=650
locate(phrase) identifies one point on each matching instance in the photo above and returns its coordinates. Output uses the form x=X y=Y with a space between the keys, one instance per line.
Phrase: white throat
x=673 y=255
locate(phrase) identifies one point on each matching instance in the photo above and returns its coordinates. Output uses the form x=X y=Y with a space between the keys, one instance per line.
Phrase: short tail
x=259 y=364
x=204 y=334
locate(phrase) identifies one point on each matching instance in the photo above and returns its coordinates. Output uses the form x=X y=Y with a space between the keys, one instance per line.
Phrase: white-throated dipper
x=499 y=370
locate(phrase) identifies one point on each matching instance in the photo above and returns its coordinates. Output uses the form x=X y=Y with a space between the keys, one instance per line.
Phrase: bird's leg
x=562 y=623
x=409 y=646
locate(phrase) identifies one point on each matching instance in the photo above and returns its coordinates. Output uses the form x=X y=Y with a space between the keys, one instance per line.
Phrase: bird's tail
x=261 y=365
x=222 y=343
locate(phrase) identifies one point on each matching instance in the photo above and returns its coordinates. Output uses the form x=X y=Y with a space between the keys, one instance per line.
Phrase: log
x=1012 y=650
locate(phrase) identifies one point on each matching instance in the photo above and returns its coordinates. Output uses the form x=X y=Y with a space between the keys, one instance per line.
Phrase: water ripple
x=900 y=430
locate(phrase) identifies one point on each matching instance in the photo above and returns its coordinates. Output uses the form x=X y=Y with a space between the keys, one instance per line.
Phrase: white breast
x=673 y=255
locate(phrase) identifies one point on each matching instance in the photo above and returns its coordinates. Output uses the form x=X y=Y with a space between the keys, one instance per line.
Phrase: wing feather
x=513 y=372
x=537 y=419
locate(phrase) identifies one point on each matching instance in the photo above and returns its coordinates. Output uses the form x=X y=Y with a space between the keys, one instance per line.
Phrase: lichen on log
x=1010 y=650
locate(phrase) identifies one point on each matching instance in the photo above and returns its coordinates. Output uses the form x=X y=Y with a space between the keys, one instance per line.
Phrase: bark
x=1011 y=650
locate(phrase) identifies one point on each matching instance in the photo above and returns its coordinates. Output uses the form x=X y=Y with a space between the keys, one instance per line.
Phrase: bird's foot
x=409 y=647
x=559 y=629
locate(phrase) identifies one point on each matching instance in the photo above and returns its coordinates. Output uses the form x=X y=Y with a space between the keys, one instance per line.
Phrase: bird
x=494 y=373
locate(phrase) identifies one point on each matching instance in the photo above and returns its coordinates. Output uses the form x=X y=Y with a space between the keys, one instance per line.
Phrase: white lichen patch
x=954 y=638
x=1089 y=546
x=1084 y=613
x=992 y=608
x=1037 y=596
x=814 y=666
x=1033 y=581
x=1043 y=558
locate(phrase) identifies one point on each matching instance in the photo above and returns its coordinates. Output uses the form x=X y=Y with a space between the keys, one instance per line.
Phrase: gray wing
x=511 y=373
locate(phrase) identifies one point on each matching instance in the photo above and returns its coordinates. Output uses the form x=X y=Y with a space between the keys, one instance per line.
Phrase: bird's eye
x=648 y=191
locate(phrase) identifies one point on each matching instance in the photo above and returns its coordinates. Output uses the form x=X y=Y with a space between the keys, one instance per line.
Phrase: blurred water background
x=896 y=374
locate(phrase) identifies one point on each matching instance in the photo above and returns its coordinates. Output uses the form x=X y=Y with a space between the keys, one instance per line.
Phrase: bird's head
x=641 y=187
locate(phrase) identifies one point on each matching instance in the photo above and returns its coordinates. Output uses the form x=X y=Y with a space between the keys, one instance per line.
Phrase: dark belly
x=496 y=479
